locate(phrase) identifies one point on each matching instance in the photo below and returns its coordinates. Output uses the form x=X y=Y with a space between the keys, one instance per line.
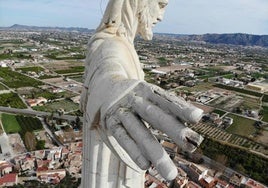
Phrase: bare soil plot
x=63 y=65
x=263 y=138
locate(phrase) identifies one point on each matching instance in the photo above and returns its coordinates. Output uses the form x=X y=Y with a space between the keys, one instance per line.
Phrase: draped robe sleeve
x=112 y=69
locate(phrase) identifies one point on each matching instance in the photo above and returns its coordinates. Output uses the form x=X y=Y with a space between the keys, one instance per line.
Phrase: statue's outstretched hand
x=127 y=121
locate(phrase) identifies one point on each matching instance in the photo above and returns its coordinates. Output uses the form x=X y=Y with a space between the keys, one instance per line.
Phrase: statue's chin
x=147 y=35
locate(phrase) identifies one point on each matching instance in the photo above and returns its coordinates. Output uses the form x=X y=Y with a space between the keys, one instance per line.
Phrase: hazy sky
x=182 y=16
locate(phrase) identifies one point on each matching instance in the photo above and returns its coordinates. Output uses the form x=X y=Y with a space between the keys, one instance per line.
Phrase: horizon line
x=80 y=27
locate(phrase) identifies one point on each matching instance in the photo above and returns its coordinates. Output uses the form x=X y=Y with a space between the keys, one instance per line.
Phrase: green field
x=78 y=78
x=15 y=56
x=15 y=80
x=199 y=87
x=71 y=70
x=49 y=76
x=2 y=87
x=265 y=113
x=25 y=126
x=241 y=126
x=10 y=123
x=11 y=100
x=220 y=112
x=67 y=105
x=250 y=103
x=36 y=69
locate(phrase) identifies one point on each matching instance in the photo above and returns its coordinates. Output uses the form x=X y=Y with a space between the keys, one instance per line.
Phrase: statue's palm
x=127 y=121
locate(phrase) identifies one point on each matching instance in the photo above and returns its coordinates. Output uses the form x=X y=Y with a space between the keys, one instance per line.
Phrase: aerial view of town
x=41 y=78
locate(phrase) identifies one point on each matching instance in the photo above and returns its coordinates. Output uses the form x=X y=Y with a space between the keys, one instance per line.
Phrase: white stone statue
x=119 y=105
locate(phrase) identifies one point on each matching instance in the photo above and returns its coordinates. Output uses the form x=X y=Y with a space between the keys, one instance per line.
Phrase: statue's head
x=135 y=16
x=151 y=12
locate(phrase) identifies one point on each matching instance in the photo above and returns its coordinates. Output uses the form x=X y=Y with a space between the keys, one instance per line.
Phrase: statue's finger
x=177 y=106
x=148 y=144
x=185 y=111
x=187 y=139
x=127 y=143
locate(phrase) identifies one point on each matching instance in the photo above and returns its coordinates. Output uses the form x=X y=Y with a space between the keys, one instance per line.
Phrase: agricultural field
x=25 y=126
x=63 y=55
x=210 y=131
x=36 y=69
x=71 y=69
x=16 y=80
x=204 y=73
x=228 y=103
x=250 y=103
x=48 y=76
x=66 y=105
x=64 y=65
x=265 y=113
x=11 y=100
x=199 y=87
x=2 y=87
x=263 y=138
x=28 y=126
x=220 y=112
x=15 y=56
x=10 y=123
x=241 y=126
x=46 y=94
x=78 y=78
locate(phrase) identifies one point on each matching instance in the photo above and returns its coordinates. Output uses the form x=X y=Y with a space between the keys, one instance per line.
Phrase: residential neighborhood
x=41 y=79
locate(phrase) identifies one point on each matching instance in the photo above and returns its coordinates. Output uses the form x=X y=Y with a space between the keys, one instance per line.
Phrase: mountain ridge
x=226 y=38
x=26 y=27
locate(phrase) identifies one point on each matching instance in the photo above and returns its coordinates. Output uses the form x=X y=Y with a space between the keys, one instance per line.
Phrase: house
x=36 y=102
x=236 y=179
x=64 y=153
x=181 y=179
x=76 y=99
x=171 y=148
x=221 y=184
x=152 y=182
x=40 y=154
x=27 y=163
x=207 y=181
x=56 y=90
x=194 y=172
x=5 y=168
x=228 y=120
x=180 y=182
x=3 y=64
x=191 y=184
x=51 y=176
x=9 y=180
x=218 y=122
x=214 y=116
x=253 y=184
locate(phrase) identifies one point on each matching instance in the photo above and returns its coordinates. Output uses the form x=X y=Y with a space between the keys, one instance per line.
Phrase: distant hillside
x=235 y=39
x=25 y=27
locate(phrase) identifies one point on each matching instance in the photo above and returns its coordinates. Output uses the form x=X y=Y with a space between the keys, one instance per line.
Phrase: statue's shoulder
x=116 y=44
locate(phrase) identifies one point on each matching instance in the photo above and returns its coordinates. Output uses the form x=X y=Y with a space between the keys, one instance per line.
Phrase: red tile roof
x=8 y=178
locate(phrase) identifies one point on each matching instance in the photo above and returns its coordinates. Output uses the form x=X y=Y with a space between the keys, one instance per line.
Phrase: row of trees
x=28 y=126
x=239 y=159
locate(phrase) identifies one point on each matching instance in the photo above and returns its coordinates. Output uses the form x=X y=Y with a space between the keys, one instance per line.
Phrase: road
x=40 y=114
x=37 y=113
x=50 y=133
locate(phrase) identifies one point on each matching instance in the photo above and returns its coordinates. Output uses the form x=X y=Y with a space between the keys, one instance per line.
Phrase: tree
x=78 y=122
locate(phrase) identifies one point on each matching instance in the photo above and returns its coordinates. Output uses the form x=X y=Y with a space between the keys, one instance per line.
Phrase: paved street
x=36 y=113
